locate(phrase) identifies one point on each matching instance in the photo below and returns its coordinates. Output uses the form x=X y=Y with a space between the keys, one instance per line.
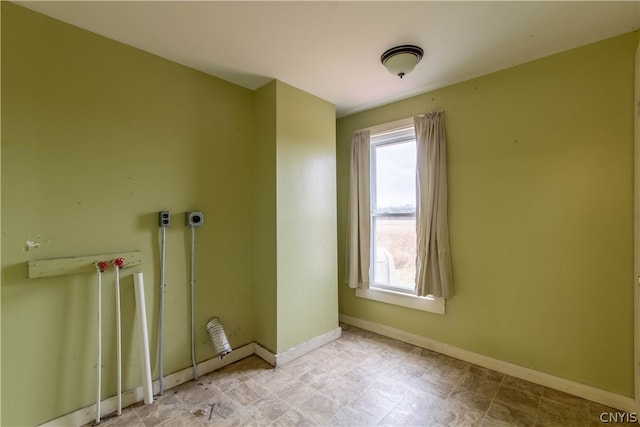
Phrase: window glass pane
x=396 y=177
x=395 y=251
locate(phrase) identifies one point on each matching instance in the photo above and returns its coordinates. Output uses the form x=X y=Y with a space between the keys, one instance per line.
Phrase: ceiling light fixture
x=400 y=60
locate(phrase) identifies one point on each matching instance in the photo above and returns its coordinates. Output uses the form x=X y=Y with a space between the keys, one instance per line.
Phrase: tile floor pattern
x=361 y=379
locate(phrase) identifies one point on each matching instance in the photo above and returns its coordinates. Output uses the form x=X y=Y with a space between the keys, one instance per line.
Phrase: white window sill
x=430 y=304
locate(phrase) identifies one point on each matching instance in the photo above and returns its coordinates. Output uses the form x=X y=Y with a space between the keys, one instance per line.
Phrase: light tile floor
x=361 y=379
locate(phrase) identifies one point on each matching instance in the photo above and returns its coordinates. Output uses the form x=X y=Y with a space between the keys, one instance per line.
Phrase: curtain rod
x=395 y=124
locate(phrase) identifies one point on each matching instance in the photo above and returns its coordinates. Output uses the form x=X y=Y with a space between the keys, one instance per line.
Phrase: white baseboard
x=604 y=397
x=129 y=397
x=300 y=350
x=264 y=354
x=306 y=347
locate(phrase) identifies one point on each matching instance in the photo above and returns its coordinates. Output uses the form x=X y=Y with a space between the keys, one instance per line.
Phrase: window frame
x=403 y=299
x=403 y=135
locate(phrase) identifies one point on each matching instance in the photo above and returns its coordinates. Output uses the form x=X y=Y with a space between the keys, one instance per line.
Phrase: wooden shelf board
x=79 y=265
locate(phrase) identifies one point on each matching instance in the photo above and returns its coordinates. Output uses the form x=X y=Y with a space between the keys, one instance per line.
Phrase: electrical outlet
x=165 y=218
x=194 y=219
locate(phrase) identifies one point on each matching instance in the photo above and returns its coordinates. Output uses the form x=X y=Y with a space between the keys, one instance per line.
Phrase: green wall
x=540 y=164
x=266 y=245
x=295 y=217
x=97 y=137
x=306 y=217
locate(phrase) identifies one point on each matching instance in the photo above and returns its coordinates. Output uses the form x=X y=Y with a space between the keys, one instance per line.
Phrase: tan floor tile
x=522 y=385
x=416 y=408
x=486 y=373
x=181 y=420
x=480 y=384
x=316 y=378
x=500 y=415
x=360 y=375
x=376 y=365
x=240 y=419
x=218 y=407
x=296 y=393
x=355 y=416
x=565 y=399
x=225 y=378
x=470 y=400
x=319 y=356
x=367 y=409
x=456 y=363
x=419 y=401
x=343 y=390
x=362 y=379
x=319 y=408
x=518 y=399
x=293 y=418
x=165 y=407
x=456 y=414
x=193 y=393
x=246 y=393
x=403 y=417
x=429 y=356
x=252 y=366
x=553 y=413
x=406 y=371
x=390 y=389
x=447 y=373
x=268 y=409
x=274 y=380
x=441 y=390
x=297 y=368
x=339 y=367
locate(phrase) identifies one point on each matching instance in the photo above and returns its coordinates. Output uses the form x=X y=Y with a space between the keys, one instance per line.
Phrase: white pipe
x=118 y=341
x=193 y=308
x=161 y=314
x=144 y=338
x=99 y=364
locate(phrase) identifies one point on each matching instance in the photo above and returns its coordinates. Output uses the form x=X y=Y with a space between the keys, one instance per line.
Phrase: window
x=393 y=219
x=393 y=209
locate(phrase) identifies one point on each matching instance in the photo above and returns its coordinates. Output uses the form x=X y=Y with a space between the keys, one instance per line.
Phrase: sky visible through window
x=396 y=177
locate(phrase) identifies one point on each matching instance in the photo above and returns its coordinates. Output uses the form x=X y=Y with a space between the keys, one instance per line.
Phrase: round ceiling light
x=400 y=60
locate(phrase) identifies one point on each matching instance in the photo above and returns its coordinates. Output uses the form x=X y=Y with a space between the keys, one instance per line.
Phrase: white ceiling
x=332 y=49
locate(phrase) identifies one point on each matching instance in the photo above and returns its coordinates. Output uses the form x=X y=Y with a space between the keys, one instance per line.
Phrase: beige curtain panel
x=434 y=274
x=359 y=219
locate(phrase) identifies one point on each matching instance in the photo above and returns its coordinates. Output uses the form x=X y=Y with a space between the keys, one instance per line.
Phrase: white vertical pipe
x=118 y=341
x=99 y=364
x=161 y=314
x=144 y=338
x=193 y=303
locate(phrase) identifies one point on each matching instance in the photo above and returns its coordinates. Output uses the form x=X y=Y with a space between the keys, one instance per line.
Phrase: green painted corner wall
x=306 y=217
x=97 y=137
x=295 y=217
x=540 y=173
x=265 y=248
